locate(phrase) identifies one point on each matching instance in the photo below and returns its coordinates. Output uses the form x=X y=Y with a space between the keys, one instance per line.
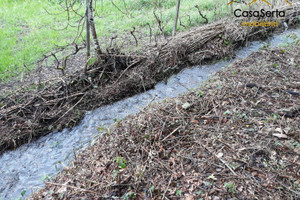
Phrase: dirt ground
x=236 y=137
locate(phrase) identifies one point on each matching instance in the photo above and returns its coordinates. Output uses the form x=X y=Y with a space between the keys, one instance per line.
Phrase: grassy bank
x=236 y=137
x=27 y=31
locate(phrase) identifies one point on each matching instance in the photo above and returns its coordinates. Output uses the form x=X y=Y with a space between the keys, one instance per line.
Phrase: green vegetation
x=25 y=34
x=27 y=31
x=230 y=186
x=121 y=162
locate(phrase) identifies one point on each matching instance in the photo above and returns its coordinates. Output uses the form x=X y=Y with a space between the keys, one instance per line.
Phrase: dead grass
x=237 y=137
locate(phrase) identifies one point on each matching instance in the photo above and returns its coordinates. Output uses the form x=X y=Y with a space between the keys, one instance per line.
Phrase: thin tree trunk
x=93 y=29
x=88 y=42
x=176 y=18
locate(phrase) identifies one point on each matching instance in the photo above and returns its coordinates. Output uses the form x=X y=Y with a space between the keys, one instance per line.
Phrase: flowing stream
x=23 y=170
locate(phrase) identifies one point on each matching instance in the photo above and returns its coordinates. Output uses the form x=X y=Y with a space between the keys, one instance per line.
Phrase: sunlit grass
x=26 y=34
x=27 y=31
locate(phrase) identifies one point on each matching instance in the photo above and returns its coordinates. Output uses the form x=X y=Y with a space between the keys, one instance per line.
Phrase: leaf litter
x=239 y=139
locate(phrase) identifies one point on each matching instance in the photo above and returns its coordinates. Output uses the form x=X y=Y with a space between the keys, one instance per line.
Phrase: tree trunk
x=88 y=42
x=176 y=17
x=93 y=29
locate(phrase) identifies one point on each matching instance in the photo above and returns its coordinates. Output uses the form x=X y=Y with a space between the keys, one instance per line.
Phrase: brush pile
x=40 y=109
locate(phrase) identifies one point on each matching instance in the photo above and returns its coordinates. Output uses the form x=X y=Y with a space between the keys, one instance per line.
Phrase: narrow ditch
x=25 y=168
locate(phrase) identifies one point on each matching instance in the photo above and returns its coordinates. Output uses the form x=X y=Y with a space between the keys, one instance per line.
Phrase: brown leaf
x=195 y=121
x=189 y=197
x=280 y=135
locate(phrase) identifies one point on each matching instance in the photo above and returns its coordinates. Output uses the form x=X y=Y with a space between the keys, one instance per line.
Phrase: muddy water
x=22 y=171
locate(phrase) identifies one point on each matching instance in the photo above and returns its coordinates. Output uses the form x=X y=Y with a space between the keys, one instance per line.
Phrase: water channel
x=23 y=170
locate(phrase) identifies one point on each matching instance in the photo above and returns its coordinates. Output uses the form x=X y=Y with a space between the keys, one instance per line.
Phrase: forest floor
x=235 y=137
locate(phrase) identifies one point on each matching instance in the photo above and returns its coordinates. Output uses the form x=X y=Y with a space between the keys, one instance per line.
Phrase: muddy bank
x=236 y=137
x=44 y=108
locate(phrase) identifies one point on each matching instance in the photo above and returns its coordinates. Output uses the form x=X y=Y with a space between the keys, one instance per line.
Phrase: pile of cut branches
x=31 y=113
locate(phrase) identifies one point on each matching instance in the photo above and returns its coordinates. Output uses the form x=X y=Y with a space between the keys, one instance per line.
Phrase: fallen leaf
x=287 y=129
x=195 y=121
x=219 y=155
x=279 y=130
x=189 y=197
x=280 y=135
x=186 y=106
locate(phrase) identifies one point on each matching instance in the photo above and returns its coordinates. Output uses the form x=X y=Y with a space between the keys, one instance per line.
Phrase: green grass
x=27 y=31
x=26 y=34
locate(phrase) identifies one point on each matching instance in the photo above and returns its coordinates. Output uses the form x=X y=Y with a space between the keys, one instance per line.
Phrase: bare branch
x=124 y=13
x=159 y=22
x=204 y=17
x=132 y=33
x=150 y=30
